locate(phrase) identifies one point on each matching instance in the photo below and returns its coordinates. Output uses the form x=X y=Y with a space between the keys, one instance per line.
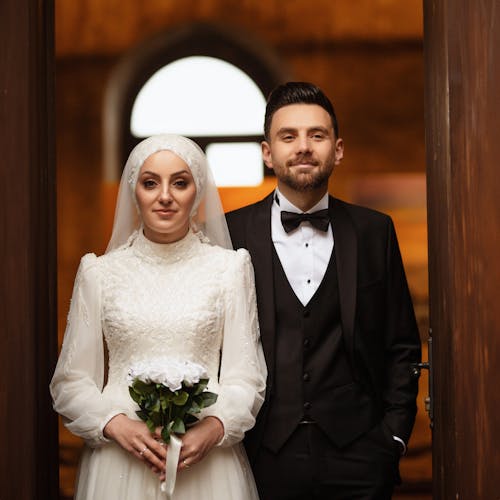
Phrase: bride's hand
x=198 y=441
x=134 y=437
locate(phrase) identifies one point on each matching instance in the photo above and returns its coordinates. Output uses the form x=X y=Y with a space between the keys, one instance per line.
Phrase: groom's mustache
x=302 y=159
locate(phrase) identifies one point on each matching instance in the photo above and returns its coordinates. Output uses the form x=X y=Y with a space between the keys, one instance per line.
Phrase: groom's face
x=302 y=148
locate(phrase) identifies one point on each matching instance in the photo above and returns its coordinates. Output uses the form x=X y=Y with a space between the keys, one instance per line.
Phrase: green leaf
x=165 y=399
x=152 y=402
x=190 y=419
x=142 y=415
x=208 y=399
x=151 y=426
x=134 y=395
x=166 y=392
x=165 y=434
x=195 y=407
x=200 y=386
x=181 y=398
x=155 y=417
x=178 y=426
x=142 y=387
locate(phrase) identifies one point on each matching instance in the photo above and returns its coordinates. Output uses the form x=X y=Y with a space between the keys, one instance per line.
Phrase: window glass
x=198 y=96
x=236 y=164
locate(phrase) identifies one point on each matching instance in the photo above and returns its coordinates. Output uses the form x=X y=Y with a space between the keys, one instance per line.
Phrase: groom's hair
x=297 y=93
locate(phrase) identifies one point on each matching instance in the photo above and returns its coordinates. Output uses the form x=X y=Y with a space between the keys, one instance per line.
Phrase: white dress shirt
x=305 y=252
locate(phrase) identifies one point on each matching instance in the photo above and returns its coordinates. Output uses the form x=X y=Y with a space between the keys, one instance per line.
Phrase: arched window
x=203 y=81
x=212 y=101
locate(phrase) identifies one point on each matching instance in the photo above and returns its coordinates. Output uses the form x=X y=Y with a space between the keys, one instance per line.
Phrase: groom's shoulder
x=360 y=212
x=242 y=222
x=240 y=214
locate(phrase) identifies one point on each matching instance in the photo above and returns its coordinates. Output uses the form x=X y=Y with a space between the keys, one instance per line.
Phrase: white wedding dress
x=188 y=300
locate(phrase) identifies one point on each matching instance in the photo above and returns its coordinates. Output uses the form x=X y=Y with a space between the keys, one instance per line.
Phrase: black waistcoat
x=313 y=379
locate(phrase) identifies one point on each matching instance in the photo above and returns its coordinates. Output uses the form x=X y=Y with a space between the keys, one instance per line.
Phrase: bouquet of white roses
x=170 y=393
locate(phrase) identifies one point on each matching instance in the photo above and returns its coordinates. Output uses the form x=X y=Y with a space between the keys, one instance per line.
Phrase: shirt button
x=308 y=281
x=307 y=245
x=305 y=377
x=307 y=405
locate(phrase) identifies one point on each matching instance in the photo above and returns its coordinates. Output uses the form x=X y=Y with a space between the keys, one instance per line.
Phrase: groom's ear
x=266 y=154
x=339 y=150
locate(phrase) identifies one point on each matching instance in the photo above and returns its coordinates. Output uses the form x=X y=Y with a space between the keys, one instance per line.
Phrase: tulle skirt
x=110 y=473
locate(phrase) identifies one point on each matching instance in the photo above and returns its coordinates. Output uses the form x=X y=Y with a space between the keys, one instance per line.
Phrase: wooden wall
x=368 y=57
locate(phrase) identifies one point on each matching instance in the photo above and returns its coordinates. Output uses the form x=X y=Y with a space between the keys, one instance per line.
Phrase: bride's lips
x=164 y=212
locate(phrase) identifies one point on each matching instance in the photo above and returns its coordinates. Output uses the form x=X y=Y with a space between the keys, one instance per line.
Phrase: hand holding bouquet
x=170 y=394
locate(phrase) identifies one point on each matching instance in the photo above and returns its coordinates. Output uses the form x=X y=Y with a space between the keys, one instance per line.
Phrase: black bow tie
x=292 y=220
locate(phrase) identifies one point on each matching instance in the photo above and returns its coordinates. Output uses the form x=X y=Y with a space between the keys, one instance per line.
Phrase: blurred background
x=126 y=69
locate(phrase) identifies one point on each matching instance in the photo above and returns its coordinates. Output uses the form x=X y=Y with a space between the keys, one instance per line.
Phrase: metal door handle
x=416 y=370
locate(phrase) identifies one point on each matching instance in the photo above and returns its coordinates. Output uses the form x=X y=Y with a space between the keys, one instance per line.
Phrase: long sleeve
x=77 y=384
x=402 y=347
x=243 y=372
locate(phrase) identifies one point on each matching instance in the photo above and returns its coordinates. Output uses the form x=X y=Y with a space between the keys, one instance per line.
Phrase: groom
x=336 y=319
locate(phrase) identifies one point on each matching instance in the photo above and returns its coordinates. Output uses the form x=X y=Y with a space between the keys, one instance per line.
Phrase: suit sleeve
x=402 y=347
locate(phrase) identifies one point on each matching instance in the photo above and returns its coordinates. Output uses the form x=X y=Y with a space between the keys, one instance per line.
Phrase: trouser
x=310 y=467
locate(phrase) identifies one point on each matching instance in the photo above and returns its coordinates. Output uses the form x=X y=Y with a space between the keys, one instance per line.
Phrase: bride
x=165 y=287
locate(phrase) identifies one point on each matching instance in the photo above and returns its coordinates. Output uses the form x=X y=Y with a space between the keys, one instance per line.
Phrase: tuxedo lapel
x=259 y=244
x=346 y=254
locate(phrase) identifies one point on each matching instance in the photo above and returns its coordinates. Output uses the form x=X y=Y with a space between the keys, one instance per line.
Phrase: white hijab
x=207 y=215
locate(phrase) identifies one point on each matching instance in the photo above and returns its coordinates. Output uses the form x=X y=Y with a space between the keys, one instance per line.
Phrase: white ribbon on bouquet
x=173 y=453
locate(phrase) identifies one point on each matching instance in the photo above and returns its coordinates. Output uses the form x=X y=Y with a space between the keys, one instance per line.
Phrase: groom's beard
x=305 y=181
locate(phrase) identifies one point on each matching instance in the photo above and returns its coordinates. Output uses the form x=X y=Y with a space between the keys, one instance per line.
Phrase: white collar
x=288 y=206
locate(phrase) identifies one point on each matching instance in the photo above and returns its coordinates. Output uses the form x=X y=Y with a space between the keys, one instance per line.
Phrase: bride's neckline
x=169 y=252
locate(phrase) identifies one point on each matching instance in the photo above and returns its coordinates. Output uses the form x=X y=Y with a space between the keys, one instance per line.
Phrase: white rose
x=168 y=371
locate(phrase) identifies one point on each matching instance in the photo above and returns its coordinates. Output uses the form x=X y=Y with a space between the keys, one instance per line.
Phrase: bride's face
x=165 y=193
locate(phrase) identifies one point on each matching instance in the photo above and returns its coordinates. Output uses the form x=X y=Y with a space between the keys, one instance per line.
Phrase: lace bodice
x=188 y=300
x=139 y=322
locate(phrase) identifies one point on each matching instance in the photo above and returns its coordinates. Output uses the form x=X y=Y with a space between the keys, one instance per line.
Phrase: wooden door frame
x=28 y=321
x=462 y=117
x=462 y=105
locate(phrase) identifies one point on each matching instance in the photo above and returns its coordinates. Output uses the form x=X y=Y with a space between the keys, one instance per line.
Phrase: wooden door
x=462 y=51
x=28 y=331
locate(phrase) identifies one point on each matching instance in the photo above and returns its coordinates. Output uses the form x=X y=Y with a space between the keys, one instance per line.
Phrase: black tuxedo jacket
x=378 y=322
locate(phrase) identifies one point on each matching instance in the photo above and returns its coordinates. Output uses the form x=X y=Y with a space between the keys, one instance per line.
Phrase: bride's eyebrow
x=148 y=172
x=155 y=174
x=180 y=172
